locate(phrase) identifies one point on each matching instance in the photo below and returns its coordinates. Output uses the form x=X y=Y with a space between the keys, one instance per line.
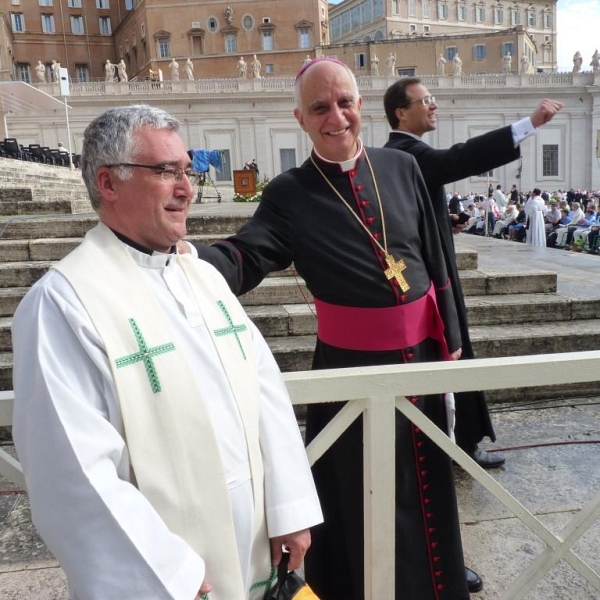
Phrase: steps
x=512 y=311
x=25 y=188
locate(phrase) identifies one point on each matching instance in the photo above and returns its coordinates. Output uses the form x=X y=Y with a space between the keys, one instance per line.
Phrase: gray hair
x=299 y=79
x=109 y=140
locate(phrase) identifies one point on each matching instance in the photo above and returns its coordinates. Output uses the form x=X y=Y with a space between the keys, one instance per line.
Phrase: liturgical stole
x=173 y=449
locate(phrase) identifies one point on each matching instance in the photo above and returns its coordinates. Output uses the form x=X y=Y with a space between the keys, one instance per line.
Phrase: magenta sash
x=390 y=328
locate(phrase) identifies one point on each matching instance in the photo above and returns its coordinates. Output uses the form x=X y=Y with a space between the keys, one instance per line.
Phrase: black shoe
x=487 y=460
x=474 y=582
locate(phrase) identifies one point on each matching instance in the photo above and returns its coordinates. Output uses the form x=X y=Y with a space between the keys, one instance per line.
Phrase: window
x=346 y=22
x=547 y=16
x=102 y=3
x=426 y=9
x=23 y=72
x=360 y=60
x=412 y=28
x=128 y=4
x=395 y=6
x=508 y=48
x=531 y=20
x=426 y=28
x=77 y=25
x=304 y=33
x=225 y=173
x=355 y=17
x=498 y=15
x=267 y=40
x=212 y=25
x=18 y=21
x=550 y=160
x=442 y=10
x=287 y=157
x=45 y=2
x=367 y=11
x=479 y=51
x=163 y=47
x=16 y=2
x=378 y=35
x=105 y=26
x=377 y=8
x=451 y=52
x=462 y=12
x=405 y=72
x=336 y=28
x=230 y=45
x=247 y=22
x=480 y=14
x=270 y=68
x=412 y=8
x=266 y=20
x=515 y=16
x=74 y=3
x=82 y=73
x=48 y=24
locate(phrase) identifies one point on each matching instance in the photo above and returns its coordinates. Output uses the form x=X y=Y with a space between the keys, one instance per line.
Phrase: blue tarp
x=203 y=158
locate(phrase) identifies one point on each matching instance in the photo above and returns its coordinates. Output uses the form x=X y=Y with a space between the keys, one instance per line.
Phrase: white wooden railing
x=376 y=392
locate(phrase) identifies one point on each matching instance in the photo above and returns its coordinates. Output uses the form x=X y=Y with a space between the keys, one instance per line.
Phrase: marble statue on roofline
x=375 y=66
x=189 y=69
x=507 y=63
x=441 y=64
x=174 y=65
x=122 y=71
x=109 y=70
x=595 y=64
x=55 y=68
x=577 y=62
x=391 y=63
x=256 y=66
x=242 y=67
x=457 y=65
x=40 y=71
x=524 y=64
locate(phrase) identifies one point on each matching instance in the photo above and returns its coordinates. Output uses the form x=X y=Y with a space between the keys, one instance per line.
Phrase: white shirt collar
x=345 y=165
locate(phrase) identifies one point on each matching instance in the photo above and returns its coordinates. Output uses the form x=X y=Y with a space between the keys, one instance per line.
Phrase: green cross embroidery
x=235 y=329
x=145 y=355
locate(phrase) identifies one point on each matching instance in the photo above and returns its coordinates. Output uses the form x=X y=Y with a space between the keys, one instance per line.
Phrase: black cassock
x=439 y=167
x=300 y=219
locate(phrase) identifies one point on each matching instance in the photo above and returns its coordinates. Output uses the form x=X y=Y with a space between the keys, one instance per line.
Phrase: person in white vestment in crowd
x=159 y=446
x=535 y=210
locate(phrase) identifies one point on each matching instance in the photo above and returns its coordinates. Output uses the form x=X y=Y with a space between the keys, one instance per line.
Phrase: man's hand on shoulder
x=545 y=112
x=297 y=543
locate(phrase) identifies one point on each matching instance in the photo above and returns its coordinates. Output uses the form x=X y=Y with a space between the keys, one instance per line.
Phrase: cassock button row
x=352 y=173
x=403 y=297
x=377 y=236
x=370 y=219
x=359 y=187
x=364 y=203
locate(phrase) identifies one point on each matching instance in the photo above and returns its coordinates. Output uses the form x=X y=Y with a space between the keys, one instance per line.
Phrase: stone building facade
x=248 y=119
x=148 y=34
x=377 y=20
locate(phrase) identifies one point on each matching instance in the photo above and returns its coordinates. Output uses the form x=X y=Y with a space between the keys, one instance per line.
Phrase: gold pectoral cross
x=394 y=271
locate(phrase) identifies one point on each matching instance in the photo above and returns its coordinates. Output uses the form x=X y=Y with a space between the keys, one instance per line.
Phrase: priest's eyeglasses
x=166 y=172
x=425 y=101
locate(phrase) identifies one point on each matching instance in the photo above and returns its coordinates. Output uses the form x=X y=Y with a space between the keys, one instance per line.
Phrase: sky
x=578 y=28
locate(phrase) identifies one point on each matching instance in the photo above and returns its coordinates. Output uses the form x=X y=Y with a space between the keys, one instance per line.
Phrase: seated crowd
x=559 y=220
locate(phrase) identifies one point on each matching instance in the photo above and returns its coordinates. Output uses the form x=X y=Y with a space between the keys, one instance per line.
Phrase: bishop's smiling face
x=330 y=110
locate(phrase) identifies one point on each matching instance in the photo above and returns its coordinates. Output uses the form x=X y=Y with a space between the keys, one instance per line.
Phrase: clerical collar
x=345 y=165
x=139 y=247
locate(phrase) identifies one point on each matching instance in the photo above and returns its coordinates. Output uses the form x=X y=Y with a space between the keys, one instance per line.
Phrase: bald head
x=329 y=108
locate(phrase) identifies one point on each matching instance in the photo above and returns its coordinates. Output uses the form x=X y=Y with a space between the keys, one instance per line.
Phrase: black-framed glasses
x=166 y=172
x=425 y=101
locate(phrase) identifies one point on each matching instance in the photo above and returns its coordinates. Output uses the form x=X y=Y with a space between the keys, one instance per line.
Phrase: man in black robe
x=344 y=218
x=410 y=110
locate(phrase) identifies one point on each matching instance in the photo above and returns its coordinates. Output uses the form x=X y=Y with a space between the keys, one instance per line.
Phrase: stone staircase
x=512 y=312
x=31 y=188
